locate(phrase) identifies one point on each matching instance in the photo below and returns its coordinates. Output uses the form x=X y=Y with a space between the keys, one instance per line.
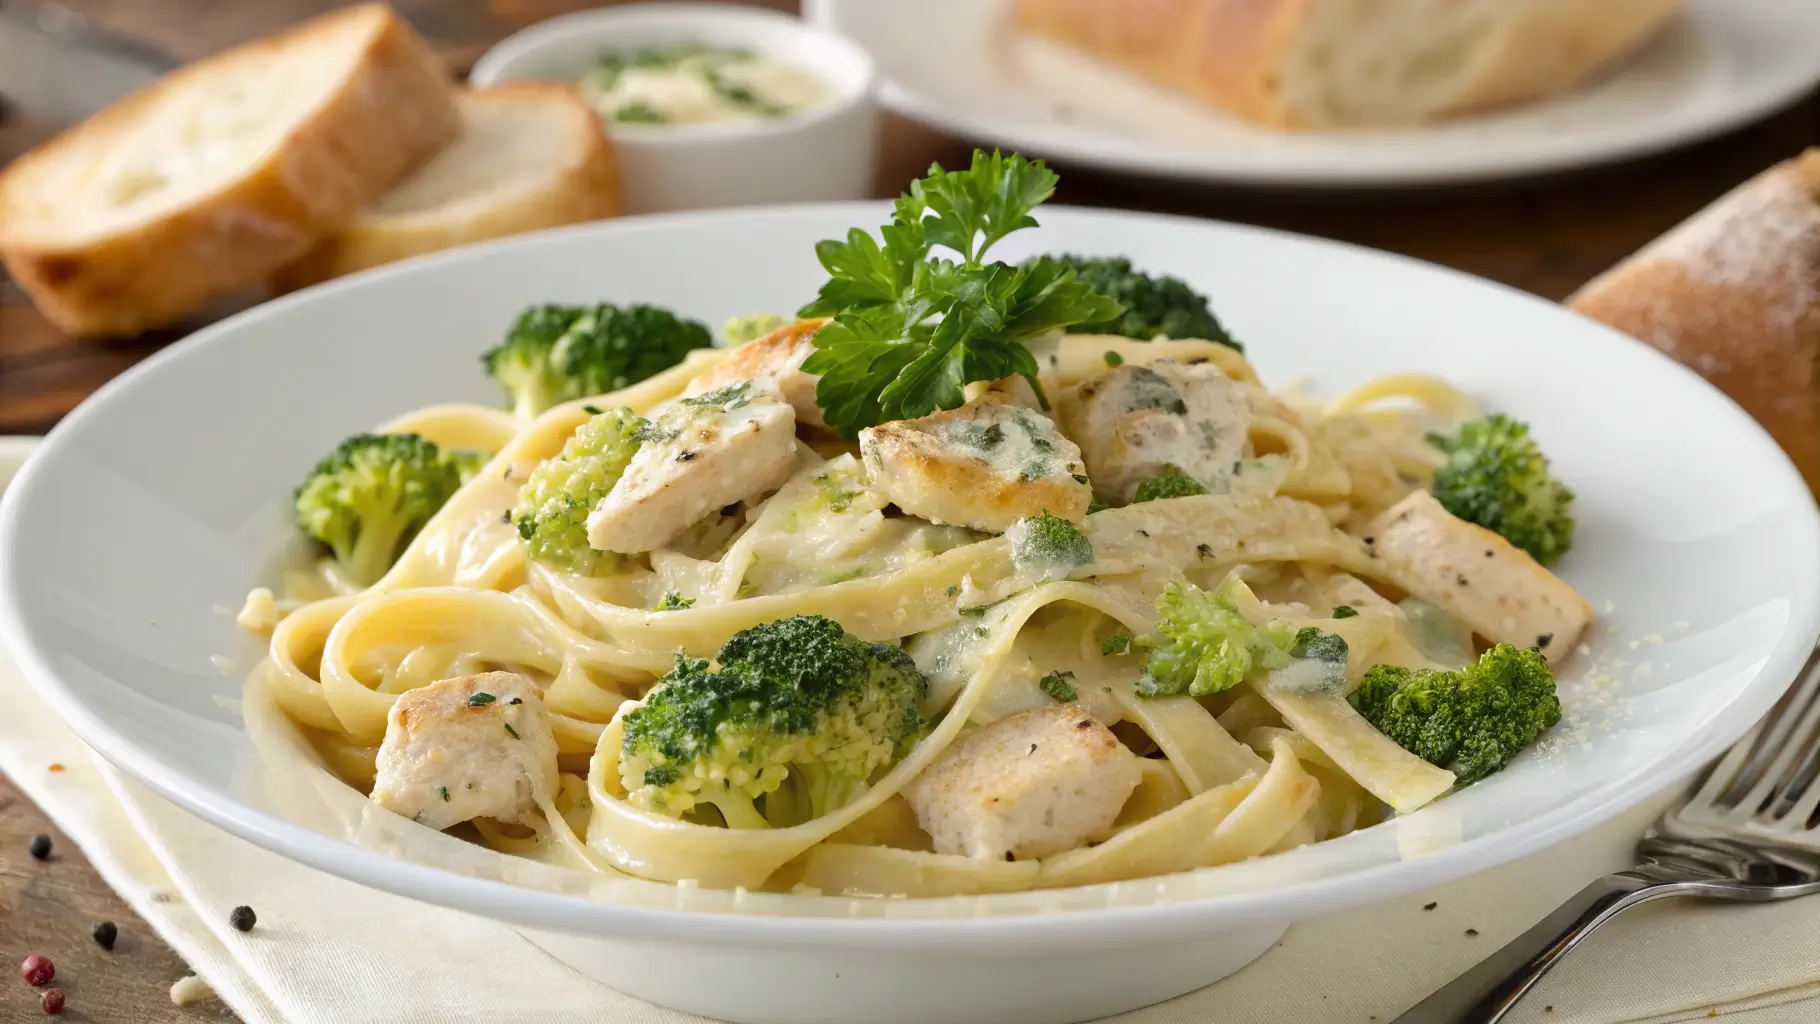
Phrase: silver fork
x=1750 y=832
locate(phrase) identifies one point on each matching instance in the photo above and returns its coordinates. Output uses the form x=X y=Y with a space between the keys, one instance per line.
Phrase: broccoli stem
x=532 y=393
x=827 y=790
x=738 y=810
x=375 y=546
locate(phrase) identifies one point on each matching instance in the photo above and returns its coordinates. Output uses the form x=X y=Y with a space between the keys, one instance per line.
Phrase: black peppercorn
x=104 y=934
x=41 y=847
x=243 y=919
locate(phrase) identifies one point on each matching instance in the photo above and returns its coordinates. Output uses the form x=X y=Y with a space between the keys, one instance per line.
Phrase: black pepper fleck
x=1545 y=639
x=1204 y=550
x=1488 y=553
x=1430 y=906
x=104 y=934
x=1461 y=580
x=1085 y=723
x=40 y=847
x=685 y=456
x=1032 y=748
x=243 y=919
x=1472 y=933
x=1010 y=856
x=506 y=517
x=1371 y=540
x=516 y=700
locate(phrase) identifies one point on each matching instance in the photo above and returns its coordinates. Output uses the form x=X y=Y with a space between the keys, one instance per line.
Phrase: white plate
x=960 y=65
x=165 y=497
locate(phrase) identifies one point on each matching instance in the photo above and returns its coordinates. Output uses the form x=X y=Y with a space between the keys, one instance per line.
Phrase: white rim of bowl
x=489 y=70
x=1037 y=932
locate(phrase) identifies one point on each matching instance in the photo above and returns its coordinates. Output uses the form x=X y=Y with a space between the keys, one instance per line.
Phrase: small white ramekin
x=823 y=153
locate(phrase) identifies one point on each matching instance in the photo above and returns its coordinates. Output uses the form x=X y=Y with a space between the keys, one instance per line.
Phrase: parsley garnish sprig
x=910 y=329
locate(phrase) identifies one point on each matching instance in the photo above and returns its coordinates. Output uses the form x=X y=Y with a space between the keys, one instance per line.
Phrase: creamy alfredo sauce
x=692 y=84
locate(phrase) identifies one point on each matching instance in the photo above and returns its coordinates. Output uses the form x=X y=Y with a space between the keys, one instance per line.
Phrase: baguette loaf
x=1314 y=64
x=214 y=176
x=1734 y=294
x=529 y=155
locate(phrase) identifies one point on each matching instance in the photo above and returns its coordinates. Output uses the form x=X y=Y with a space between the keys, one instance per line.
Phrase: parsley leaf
x=910 y=329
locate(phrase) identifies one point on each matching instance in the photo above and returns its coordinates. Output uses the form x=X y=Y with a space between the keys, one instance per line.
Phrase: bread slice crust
x=1296 y=64
x=582 y=185
x=390 y=111
x=1734 y=294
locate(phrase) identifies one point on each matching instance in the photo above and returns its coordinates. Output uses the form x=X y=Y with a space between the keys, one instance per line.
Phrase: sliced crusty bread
x=529 y=155
x=1734 y=293
x=216 y=175
x=1309 y=64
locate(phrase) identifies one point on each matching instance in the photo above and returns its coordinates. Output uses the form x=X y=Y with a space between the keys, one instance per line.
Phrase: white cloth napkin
x=327 y=951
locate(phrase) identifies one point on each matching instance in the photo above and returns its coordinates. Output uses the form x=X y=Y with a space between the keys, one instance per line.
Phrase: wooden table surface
x=1545 y=236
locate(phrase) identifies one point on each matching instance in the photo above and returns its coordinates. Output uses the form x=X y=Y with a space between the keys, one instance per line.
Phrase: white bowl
x=166 y=496
x=826 y=152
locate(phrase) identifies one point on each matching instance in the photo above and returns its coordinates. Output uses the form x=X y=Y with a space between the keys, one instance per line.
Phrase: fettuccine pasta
x=1223 y=777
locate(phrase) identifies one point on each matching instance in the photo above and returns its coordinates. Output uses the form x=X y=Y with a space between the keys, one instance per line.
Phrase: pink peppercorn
x=37 y=970
x=51 y=1001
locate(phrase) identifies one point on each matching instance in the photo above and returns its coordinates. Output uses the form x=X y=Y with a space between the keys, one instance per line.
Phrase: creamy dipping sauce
x=692 y=84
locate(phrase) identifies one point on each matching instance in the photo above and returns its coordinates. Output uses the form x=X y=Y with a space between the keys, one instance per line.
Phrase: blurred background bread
x=218 y=174
x=528 y=155
x=1313 y=64
x=1734 y=293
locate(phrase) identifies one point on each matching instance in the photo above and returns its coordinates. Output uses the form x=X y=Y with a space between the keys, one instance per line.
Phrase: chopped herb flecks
x=1059 y=685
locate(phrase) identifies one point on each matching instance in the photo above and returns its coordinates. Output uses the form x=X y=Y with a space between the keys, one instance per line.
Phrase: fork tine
x=1802 y=796
x=1720 y=778
x=1765 y=751
x=1766 y=798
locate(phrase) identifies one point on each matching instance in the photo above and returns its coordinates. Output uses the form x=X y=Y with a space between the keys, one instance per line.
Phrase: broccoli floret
x=1170 y=483
x=554 y=354
x=751 y=327
x=1154 y=306
x=1471 y=721
x=793 y=724
x=1204 y=645
x=553 y=505
x=1497 y=477
x=1048 y=546
x=371 y=495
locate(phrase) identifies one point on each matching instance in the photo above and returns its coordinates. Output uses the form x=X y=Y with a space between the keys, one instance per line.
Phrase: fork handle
x=1490 y=990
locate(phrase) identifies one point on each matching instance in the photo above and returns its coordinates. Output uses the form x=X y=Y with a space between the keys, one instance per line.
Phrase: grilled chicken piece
x=705 y=452
x=1032 y=785
x=984 y=465
x=777 y=357
x=1478 y=577
x=1134 y=422
x=469 y=747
